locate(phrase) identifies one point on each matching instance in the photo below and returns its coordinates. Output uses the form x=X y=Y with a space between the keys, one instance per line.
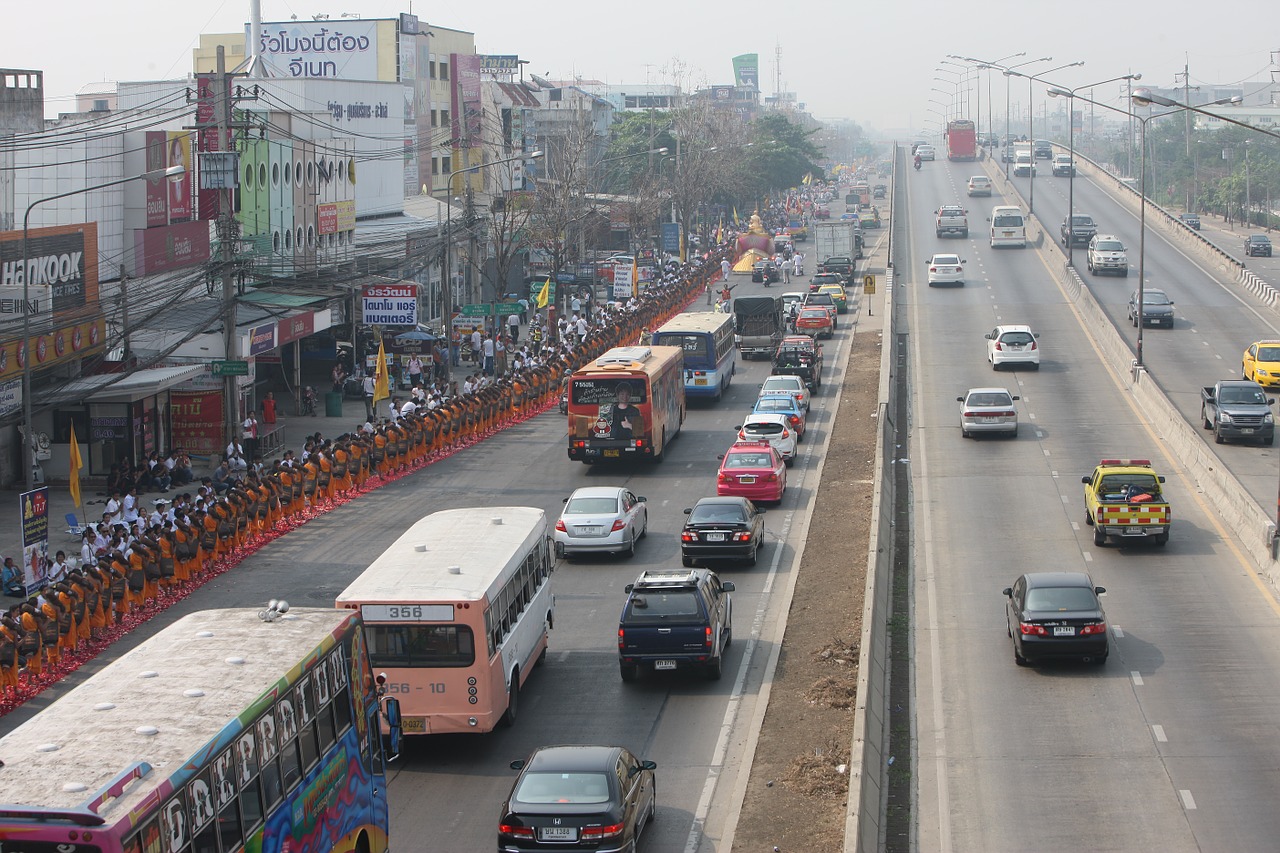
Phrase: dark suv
x=1080 y=230
x=675 y=620
x=1257 y=244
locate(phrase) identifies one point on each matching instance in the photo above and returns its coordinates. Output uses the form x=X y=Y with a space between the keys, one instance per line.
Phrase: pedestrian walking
x=488 y=348
x=367 y=386
x=513 y=326
x=415 y=371
x=250 y=427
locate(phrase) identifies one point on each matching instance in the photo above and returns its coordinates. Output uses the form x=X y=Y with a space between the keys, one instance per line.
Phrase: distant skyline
x=873 y=64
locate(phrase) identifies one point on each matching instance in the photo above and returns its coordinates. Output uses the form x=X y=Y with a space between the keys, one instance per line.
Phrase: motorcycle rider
x=918 y=161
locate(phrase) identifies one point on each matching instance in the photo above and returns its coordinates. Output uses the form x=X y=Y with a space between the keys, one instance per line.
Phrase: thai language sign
x=345 y=51
x=389 y=304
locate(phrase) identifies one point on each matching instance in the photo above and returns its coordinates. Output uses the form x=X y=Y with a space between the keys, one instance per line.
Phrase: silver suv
x=1107 y=254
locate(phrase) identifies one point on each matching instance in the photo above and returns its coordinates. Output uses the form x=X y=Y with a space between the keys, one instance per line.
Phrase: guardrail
x=865 y=806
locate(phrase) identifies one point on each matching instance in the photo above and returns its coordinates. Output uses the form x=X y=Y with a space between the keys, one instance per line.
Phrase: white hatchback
x=1012 y=345
x=601 y=519
x=773 y=428
x=946 y=269
x=793 y=385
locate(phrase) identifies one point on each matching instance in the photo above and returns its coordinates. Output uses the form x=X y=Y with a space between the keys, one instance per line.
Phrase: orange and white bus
x=457 y=612
x=626 y=404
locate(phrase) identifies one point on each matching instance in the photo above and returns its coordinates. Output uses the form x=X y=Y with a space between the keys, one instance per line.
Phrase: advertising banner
x=157 y=202
x=721 y=95
x=504 y=66
x=671 y=237
x=178 y=151
x=33 y=509
x=295 y=328
x=197 y=420
x=468 y=112
x=10 y=397
x=170 y=247
x=61 y=268
x=262 y=339
x=623 y=281
x=335 y=216
x=56 y=347
x=389 y=304
x=347 y=50
x=206 y=96
x=746 y=70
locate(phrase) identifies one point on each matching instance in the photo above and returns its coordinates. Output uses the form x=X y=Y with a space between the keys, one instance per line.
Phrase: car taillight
x=725 y=477
x=599 y=833
x=618 y=524
x=560 y=526
x=786 y=433
x=622 y=639
x=1033 y=344
x=1096 y=628
x=688 y=536
x=708 y=640
x=515 y=831
x=794 y=420
x=771 y=477
x=742 y=433
x=933 y=269
x=1029 y=629
x=999 y=346
x=742 y=537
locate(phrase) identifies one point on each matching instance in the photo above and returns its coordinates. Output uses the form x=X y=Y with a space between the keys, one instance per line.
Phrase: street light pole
x=1031 y=134
x=24 y=351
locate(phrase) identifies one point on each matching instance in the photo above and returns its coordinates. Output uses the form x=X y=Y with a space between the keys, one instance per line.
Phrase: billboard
x=295 y=328
x=61 y=268
x=157 y=201
x=503 y=66
x=197 y=420
x=33 y=508
x=746 y=70
x=389 y=304
x=262 y=339
x=348 y=50
x=170 y=247
x=60 y=345
x=468 y=113
x=178 y=153
x=335 y=216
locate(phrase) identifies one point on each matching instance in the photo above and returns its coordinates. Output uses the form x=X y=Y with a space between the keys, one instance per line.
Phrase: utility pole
x=1186 y=99
x=228 y=234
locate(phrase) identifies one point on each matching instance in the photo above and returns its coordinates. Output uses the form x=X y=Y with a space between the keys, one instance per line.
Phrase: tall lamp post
x=448 y=247
x=980 y=65
x=1008 y=71
x=28 y=432
x=1031 y=133
x=1057 y=92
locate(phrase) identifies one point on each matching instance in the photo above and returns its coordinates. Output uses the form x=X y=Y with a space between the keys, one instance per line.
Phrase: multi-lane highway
x=1169 y=745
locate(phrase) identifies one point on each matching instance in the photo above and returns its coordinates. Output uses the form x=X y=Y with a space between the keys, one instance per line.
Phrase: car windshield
x=1154 y=297
x=661 y=605
x=819 y=299
x=591 y=506
x=1008 y=220
x=1061 y=598
x=778 y=402
x=718 y=514
x=951 y=211
x=582 y=788
x=1016 y=338
x=1082 y=220
x=1259 y=239
x=813 y=313
x=1268 y=353
x=764 y=427
x=989 y=398
x=748 y=460
x=1242 y=396
x=1110 y=246
x=781 y=383
x=946 y=259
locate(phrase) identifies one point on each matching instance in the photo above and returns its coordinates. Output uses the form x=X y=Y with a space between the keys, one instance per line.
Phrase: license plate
x=715 y=537
x=746 y=479
x=699 y=382
x=1062 y=631
x=1246 y=431
x=988 y=420
x=558 y=833
x=414 y=725
x=590 y=531
x=611 y=453
x=664 y=664
x=1006 y=233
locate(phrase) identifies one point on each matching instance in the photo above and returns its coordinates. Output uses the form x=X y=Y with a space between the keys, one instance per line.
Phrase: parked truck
x=962 y=140
x=1238 y=409
x=838 y=239
x=758 y=325
x=1123 y=498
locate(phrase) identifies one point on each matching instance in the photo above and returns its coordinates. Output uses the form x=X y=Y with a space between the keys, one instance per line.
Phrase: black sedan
x=1257 y=244
x=597 y=798
x=766 y=271
x=1056 y=615
x=723 y=528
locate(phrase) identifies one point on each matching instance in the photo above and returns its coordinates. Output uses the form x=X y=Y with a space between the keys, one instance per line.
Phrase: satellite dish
x=542 y=81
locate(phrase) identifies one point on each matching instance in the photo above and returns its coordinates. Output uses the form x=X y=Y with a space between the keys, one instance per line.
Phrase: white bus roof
x=631 y=358
x=701 y=321
x=481 y=541
x=189 y=682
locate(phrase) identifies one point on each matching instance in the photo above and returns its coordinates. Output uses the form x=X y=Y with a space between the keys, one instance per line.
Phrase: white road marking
x=1158 y=731
x=1088 y=558
x=1075 y=525
x=1041 y=435
x=1137 y=678
x=1115 y=629
x=1054 y=474
x=1064 y=498
x=1188 y=801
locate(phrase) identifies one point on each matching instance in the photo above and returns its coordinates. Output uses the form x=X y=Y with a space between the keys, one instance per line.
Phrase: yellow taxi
x=837 y=295
x=1261 y=363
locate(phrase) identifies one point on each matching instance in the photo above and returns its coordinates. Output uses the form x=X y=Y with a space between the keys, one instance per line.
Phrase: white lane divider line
x=1188 y=801
x=1075 y=525
x=1065 y=499
x=1088 y=558
x=1115 y=629
x=1158 y=731
x=1137 y=678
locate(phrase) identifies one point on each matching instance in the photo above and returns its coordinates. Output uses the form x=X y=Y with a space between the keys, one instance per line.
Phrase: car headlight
x=1224 y=418
x=1268 y=418
x=1260 y=371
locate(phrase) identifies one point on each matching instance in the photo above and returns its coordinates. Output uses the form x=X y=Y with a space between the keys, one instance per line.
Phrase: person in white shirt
x=408 y=408
x=582 y=329
x=233 y=449
x=58 y=568
x=477 y=344
x=129 y=507
x=393 y=409
x=112 y=510
x=415 y=370
x=513 y=327
x=488 y=349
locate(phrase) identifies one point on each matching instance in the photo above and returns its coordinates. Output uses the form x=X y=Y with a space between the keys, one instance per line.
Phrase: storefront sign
x=336 y=216
x=33 y=509
x=390 y=305
x=197 y=421
x=262 y=339
x=294 y=328
x=492 y=65
x=61 y=267
x=157 y=202
x=10 y=396
x=623 y=286
x=109 y=429
x=170 y=247
x=64 y=344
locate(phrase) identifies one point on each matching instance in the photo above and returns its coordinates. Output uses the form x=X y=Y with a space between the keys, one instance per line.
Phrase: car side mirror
x=959 y=399
x=688 y=510
x=1008 y=591
x=988 y=218
x=727 y=586
x=1017 y=397
x=627 y=589
x=1271 y=401
x=963 y=261
x=1086 y=479
x=989 y=337
x=518 y=764
x=564 y=500
x=641 y=499
x=1100 y=590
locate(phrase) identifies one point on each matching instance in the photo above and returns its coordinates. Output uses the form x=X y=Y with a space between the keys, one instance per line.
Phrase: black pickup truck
x=799 y=355
x=675 y=619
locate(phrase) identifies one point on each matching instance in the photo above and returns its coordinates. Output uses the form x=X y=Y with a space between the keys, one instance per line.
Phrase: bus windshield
x=593 y=392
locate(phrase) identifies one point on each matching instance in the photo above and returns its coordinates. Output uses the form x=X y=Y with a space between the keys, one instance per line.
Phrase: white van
x=1008 y=227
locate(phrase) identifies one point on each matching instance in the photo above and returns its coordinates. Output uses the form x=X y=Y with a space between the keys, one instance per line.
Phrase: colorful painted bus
x=626 y=404
x=457 y=612
x=230 y=731
x=710 y=357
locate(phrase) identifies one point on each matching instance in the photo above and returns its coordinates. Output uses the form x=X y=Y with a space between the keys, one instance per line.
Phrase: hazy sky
x=870 y=61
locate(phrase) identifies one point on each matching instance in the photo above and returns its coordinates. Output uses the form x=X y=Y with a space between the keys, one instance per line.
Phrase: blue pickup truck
x=675 y=620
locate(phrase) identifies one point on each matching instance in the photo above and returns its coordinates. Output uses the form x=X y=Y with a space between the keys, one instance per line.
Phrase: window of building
x=446 y=165
x=444 y=70
x=431 y=69
x=435 y=165
x=444 y=118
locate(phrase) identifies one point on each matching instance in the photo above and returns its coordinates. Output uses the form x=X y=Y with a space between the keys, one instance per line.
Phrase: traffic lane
x=1211 y=321
x=1073 y=401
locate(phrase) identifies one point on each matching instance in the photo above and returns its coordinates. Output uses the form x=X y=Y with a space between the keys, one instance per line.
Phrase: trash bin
x=333 y=404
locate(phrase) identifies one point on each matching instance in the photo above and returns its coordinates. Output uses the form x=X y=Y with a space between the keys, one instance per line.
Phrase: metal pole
x=1007 y=141
x=28 y=430
x=1031 y=138
x=1142 y=237
x=446 y=278
x=226 y=229
x=1071 y=179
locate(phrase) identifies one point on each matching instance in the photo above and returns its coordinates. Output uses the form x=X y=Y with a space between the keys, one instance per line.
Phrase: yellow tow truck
x=1123 y=498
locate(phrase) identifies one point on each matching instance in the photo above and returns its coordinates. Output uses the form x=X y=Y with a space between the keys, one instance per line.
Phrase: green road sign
x=231 y=368
x=504 y=308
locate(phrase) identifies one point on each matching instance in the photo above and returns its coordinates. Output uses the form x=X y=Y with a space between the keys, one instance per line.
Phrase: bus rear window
x=1007 y=221
x=420 y=645
x=694 y=346
x=593 y=392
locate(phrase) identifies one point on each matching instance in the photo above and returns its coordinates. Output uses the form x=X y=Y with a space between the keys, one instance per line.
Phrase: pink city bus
x=457 y=612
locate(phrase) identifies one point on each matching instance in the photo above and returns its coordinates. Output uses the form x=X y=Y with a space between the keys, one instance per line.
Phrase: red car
x=815 y=322
x=822 y=212
x=754 y=470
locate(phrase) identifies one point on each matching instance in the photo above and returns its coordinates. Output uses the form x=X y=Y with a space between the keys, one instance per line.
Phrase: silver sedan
x=598 y=519
x=988 y=410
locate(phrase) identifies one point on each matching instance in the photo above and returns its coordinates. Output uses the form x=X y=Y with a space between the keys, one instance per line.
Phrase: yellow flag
x=381 y=384
x=544 y=295
x=635 y=278
x=76 y=464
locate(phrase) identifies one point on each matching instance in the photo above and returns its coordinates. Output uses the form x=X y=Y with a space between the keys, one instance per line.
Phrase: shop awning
x=113 y=388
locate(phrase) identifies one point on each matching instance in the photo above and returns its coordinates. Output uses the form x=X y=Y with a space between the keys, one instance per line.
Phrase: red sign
x=294 y=328
x=182 y=244
x=197 y=420
x=327 y=214
x=157 y=202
